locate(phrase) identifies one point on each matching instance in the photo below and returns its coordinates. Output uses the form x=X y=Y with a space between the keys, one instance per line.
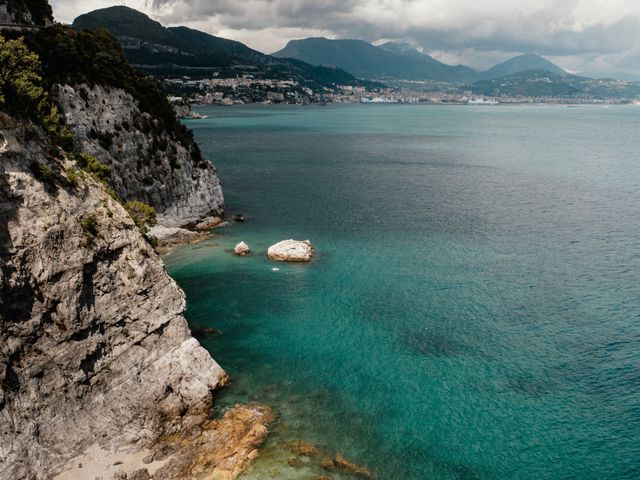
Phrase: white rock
x=241 y=249
x=291 y=251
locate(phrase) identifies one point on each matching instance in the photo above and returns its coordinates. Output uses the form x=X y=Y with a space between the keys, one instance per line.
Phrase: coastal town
x=246 y=89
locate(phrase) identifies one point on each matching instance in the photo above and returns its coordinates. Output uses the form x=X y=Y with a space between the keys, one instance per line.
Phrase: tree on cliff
x=21 y=88
x=22 y=91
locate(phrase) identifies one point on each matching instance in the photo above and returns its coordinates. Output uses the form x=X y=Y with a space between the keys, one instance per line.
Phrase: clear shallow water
x=473 y=311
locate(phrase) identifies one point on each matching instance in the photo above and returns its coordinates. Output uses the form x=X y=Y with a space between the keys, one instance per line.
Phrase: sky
x=596 y=37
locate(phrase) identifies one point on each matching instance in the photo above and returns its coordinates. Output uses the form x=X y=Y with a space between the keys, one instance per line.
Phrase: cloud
x=581 y=34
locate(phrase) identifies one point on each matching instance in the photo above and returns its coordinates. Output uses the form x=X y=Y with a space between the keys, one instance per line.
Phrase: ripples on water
x=474 y=308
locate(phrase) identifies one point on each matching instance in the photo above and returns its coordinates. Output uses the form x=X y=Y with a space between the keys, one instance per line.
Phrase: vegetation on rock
x=143 y=215
x=23 y=91
x=95 y=58
x=92 y=166
x=40 y=10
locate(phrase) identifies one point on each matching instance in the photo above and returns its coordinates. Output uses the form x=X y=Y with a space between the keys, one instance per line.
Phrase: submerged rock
x=209 y=222
x=341 y=463
x=291 y=251
x=304 y=448
x=241 y=249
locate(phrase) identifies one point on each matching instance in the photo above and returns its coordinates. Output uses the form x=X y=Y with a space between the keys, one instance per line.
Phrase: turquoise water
x=473 y=311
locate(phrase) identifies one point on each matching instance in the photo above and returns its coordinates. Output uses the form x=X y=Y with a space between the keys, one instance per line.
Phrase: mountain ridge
x=364 y=60
x=522 y=63
x=177 y=51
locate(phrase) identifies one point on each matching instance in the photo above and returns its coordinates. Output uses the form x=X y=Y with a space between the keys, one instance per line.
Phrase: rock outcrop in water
x=291 y=251
x=241 y=249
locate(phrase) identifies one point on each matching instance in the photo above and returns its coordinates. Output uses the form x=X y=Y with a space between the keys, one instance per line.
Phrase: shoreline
x=218 y=449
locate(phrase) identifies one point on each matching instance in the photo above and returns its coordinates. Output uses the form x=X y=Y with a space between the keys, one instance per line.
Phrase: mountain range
x=397 y=61
x=365 y=60
x=543 y=83
x=170 y=51
x=321 y=63
x=179 y=51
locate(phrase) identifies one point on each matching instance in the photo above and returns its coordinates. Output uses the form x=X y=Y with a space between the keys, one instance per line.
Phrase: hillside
x=178 y=51
x=521 y=63
x=403 y=49
x=368 y=61
x=400 y=61
x=542 y=83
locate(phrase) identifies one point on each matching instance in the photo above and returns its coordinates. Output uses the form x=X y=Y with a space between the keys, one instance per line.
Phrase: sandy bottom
x=99 y=463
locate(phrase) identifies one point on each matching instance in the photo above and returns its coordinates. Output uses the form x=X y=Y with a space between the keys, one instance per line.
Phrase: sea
x=472 y=310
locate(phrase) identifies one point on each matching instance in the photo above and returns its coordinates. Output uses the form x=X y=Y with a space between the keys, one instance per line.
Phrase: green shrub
x=21 y=86
x=143 y=215
x=23 y=91
x=90 y=230
x=72 y=177
x=92 y=166
x=43 y=173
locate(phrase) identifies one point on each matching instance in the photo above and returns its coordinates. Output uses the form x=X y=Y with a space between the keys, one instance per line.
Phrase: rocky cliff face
x=19 y=12
x=148 y=165
x=95 y=354
x=14 y=12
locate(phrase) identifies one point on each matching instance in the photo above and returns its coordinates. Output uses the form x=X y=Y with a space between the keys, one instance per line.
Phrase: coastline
x=218 y=449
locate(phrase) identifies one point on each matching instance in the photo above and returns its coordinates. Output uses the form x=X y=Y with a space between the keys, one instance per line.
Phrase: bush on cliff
x=143 y=215
x=23 y=92
x=95 y=168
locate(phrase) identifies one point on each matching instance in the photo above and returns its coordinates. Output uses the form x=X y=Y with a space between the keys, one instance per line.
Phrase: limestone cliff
x=95 y=354
x=22 y=13
x=148 y=164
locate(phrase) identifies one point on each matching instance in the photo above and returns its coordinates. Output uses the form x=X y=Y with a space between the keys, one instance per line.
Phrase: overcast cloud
x=595 y=36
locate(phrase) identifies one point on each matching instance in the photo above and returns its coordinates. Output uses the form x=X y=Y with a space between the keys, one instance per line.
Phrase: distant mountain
x=178 y=51
x=521 y=63
x=368 y=61
x=542 y=83
x=620 y=75
x=531 y=83
x=124 y=21
x=403 y=49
